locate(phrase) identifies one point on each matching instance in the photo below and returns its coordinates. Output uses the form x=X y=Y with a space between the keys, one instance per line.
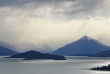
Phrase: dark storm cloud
x=81 y=6
x=57 y=6
x=23 y=2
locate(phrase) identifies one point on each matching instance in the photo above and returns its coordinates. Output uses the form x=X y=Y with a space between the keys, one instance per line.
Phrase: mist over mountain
x=6 y=49
x=85 y=45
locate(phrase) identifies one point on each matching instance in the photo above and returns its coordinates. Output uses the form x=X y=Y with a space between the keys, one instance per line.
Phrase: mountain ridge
x=102 y=54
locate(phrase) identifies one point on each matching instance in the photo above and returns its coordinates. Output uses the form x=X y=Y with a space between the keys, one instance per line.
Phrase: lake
x=73 y=65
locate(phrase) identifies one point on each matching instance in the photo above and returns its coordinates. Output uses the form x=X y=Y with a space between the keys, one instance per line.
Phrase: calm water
x=74 y=65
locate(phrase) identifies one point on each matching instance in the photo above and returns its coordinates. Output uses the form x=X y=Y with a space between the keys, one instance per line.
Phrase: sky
x=46 y=25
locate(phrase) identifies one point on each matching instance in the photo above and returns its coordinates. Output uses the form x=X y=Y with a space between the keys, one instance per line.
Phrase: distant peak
x=86 y=37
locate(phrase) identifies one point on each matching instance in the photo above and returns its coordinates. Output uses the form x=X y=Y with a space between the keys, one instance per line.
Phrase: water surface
x=73 y=65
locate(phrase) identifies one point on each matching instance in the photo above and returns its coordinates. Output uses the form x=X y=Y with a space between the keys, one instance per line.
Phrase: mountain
x=37 y=55
x=6 y=51
x=101 y=54
x=85 y=45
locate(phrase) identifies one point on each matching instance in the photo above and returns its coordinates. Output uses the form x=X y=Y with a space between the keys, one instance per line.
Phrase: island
x=103 y=68
x=30 y=55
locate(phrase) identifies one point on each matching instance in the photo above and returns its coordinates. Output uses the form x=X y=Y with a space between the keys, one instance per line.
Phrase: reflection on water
x=74 y=65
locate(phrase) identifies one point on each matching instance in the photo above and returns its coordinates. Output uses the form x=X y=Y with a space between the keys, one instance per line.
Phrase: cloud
x=26 y=32
x=45 y=25
x=59 y=7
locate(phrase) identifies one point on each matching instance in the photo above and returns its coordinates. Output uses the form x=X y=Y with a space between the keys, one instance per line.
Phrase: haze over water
x=74 y=65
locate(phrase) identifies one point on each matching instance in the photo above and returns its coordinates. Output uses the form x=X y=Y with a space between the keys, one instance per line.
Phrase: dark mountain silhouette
x=37 y=55
x=4 y=51
x=84 y=45
x=102 y=54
